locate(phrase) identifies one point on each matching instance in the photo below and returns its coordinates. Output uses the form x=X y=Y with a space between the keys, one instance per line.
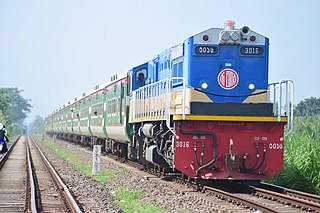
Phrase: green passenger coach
x=99 y=116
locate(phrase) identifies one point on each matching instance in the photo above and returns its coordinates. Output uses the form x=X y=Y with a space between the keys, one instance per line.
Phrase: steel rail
x=302 y=195
x=236 y=199
x=284 y=198
x=291 y=192
x=32 y=184
x=59 y=183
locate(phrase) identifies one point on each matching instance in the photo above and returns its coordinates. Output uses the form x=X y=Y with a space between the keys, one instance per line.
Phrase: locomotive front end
x=232 y=131
x=205 y=107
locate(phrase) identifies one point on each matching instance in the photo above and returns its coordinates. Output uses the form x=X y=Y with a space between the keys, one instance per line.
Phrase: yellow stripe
x=231 y=118
x=143 y=119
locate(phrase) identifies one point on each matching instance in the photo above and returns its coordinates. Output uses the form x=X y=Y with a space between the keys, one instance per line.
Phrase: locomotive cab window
x=177 y=71
x=141 y=76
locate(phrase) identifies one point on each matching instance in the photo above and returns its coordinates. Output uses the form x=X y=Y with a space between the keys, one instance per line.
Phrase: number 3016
x=251 y=50
x=182 y=144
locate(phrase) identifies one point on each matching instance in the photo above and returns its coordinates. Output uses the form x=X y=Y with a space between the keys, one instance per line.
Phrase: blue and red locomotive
x=204 y=108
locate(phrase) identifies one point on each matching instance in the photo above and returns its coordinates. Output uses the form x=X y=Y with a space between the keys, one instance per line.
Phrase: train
x=203 y=108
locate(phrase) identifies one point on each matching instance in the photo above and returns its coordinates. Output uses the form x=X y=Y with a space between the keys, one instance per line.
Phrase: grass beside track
x=128 y=200
x=83 y=167
x=302 y=157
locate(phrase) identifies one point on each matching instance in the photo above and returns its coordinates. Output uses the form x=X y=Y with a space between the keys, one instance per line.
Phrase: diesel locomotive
x=203 y=108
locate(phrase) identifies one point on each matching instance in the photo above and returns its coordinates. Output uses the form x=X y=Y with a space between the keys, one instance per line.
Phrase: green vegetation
x=13 y=109
x=302 y=157
x=37 y=126
x=308 y=107
x=83 y=167
x=129 y=201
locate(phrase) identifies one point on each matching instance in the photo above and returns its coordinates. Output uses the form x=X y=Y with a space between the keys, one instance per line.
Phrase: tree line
x=308 y=107
x=14 y=108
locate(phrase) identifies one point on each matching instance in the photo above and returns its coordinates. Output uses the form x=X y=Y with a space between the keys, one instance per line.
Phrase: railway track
x=13 y=194
x=266 y=198
x=300 y=200
x=292 y=193
x=262 y=198
x=29 y=183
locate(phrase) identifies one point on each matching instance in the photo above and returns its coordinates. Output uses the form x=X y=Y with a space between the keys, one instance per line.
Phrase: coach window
x=141 y=76
x=111 y=107
x=97 y=109
x=108 y=106
x=85 y=113
x=114 y=105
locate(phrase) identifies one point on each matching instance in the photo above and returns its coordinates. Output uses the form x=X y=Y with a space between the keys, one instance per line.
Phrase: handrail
x=282 y=99
x=152 y=95
x=168 y=94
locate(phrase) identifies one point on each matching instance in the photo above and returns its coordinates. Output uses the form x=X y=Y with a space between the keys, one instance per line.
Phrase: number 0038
x=206 y=50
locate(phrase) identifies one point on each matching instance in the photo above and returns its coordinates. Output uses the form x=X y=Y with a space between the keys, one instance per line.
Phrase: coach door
x=121 y=102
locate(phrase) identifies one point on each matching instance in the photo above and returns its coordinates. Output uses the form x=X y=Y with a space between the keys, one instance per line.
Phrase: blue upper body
x=227 y=70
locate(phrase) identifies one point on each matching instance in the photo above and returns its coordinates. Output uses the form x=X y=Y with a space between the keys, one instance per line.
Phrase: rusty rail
x=237 y=200
x=293 y=198
x=64 y=191
x=33 y=198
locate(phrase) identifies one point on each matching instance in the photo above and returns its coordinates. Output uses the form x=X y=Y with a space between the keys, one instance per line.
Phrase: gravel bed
x=97 y=197
x=92 y=195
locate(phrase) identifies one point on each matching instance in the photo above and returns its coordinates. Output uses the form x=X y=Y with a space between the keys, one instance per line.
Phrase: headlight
x=204 y=85
x=251 y=86
x=225 y=36
x=235 y=36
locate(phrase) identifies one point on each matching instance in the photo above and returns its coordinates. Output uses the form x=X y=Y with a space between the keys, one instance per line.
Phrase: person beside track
x=3 y=139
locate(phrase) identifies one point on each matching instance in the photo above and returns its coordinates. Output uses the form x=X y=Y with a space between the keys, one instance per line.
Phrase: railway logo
x=228 y=79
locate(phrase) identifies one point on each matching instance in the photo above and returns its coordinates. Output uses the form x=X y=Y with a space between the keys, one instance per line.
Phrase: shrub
x=302 y=157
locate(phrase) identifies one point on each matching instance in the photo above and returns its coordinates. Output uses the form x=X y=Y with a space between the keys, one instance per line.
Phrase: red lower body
x=229 y=150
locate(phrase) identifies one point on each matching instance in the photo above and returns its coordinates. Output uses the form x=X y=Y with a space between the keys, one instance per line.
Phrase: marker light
x=205 y=38
x=252 y=38
x=204 y=85
x=251 y=86
x=229 y=25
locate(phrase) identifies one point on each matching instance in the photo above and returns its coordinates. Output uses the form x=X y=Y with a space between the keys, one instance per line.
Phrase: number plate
x=251 y=50
x=206 y=50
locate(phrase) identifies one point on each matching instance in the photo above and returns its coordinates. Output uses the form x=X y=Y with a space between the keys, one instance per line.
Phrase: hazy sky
x=56 y=50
